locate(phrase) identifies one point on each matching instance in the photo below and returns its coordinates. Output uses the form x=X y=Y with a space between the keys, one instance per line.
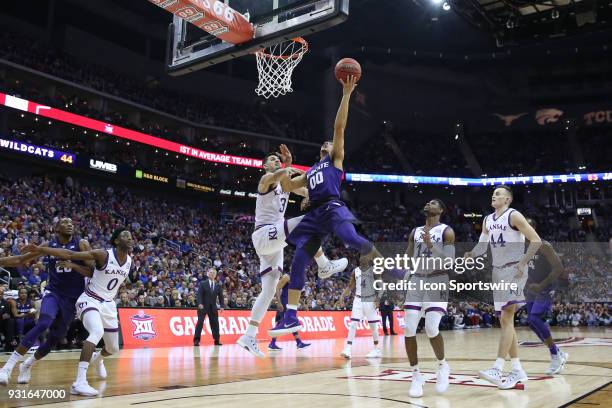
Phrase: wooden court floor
x=227 y=376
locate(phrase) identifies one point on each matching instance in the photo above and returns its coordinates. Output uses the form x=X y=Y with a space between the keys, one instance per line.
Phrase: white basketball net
x=275 y=65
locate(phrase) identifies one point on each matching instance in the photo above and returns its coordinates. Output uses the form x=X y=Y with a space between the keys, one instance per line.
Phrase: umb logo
x=103 y=166
x=143 y=326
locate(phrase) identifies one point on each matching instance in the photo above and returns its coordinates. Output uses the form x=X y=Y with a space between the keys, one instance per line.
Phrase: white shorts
x=108 y=311
x=364 y=310
x=426 y=300
x=503 y=298
x=269 y=242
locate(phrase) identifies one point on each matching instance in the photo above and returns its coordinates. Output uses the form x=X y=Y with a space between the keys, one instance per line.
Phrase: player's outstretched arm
x=341 y=119
x=99 y=256
x=84 y=247
x=518 y=221
x=295 y=183
x=80 y=269
x=18 y=260
x=483 y=243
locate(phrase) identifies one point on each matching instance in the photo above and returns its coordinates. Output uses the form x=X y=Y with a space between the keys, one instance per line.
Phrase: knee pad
x=432 y=324
x=411 y=320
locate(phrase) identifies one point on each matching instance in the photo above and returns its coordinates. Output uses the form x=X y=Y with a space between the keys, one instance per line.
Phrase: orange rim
x=296 y=54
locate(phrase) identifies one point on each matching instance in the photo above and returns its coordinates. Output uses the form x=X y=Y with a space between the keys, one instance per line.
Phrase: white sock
x=351 y=333
x=499 y=363
x=516 y=364
x=375 y=336
x=82 y=372
x=30 y=360
x=251 y=330
x=292 y=307
x=13 y=359
x=415 y=368
x=321 y=261
x=440 y=362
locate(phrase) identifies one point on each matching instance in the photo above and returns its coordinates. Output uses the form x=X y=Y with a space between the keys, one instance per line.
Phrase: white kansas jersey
x=507 y=243
x=430 y=262
x=105 y=282
x=270 y=207
x=364 y=284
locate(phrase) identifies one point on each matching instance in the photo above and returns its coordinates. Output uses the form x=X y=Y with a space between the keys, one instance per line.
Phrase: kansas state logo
x=143 y=326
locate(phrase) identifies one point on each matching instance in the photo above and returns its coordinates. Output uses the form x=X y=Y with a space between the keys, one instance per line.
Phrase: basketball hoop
x=275 y=65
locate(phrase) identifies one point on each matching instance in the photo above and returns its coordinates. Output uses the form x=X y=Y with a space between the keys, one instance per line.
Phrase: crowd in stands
x=145 y=91
x=178 y=241
x=377 y=154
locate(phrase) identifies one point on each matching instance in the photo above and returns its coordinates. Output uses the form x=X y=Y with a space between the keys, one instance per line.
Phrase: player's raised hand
x=349 y=85
x=304 y=204
x=285 y=155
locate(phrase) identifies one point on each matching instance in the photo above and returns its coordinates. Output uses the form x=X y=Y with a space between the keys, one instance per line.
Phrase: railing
x=5 y=277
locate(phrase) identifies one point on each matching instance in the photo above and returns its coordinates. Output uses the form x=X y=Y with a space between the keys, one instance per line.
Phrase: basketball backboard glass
x=191 y=48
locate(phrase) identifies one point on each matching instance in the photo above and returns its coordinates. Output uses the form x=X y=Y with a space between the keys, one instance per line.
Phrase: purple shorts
x=62 y=310
x=320 y=222
x=539 y=306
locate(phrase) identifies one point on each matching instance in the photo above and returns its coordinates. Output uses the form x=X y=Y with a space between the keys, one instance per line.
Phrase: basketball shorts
x=320 y=222
x=430 y=293
x=363 y=310
x=269 y=243
x=506 y=297
x=107 y=309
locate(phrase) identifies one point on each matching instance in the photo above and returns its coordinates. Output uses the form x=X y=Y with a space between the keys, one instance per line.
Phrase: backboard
x=191 y=48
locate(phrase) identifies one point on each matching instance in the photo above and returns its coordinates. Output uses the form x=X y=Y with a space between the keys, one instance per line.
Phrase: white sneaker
x=25 y=372
x=83 y=389
x=4 y=377
x=557 y=363
x=346 y=353
x=515 y=377
x=98 y=362
x=442 y=377
x=416 y=386
x=375 y=353
x=333 y=267
x=249 y=343
x=492 y=375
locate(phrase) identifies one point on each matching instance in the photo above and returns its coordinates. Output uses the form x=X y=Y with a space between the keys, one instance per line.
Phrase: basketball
x=346 y=67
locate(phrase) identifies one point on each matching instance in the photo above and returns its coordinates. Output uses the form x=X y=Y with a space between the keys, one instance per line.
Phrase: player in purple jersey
x=57 y=310
x=327 y=214
x=544 y=270
x=282 y=297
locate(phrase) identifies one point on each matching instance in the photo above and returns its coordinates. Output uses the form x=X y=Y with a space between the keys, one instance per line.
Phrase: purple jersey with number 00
x=64 y=282
x=324 y=180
